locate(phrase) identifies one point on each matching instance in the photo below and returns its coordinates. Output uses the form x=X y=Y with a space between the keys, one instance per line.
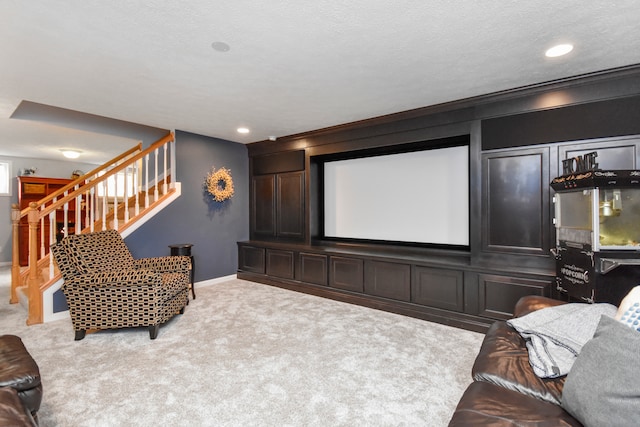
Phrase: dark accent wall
x=213 y=228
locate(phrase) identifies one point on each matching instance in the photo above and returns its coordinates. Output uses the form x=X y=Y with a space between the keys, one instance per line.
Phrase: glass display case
x=597 y=220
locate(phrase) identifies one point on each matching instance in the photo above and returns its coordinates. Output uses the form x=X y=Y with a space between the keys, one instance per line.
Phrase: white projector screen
x=414 y=197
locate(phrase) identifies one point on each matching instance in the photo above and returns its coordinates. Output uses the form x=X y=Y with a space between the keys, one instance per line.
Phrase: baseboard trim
x=215 y=281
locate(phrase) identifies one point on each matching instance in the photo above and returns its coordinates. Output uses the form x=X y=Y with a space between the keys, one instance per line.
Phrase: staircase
x=122 y=194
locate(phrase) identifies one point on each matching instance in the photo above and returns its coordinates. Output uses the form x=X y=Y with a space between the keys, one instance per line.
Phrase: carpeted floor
x=247 y=354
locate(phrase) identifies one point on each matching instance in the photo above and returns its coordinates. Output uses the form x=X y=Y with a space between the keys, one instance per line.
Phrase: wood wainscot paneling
x=388 y=280
x=440 y=288
x=498 y=294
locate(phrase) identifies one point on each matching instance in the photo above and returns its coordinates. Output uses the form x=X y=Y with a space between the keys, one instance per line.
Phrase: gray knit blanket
x=555 y=335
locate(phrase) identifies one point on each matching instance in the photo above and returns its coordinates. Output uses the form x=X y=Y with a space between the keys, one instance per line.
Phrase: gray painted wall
x=45 y=168
x=213 y=228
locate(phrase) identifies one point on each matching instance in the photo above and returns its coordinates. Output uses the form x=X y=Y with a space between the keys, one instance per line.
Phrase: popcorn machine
x=597 y=220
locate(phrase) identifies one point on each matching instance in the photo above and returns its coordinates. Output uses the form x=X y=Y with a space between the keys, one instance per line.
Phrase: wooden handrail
x=88 y=186
x=81 y=179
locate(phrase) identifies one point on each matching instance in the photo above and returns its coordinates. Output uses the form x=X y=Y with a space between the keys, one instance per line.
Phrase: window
x=5 y=177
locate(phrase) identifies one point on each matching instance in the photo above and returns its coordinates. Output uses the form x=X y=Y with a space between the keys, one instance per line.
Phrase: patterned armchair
x=106 y=288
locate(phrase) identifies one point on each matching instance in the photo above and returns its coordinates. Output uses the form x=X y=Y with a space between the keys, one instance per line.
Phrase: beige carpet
x=246 y=354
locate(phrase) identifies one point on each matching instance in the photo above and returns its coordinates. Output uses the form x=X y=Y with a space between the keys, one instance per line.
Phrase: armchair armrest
x=530 y=303
x=166 y=264
x=126 y=278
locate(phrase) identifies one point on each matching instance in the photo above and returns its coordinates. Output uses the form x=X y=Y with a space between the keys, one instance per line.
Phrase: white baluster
x=115 y=203
x=146 y=181
x=126 y=195
x=65 y=216
x=155 y=192
x=136 y=187
x=104 y=204
x=173 y=163
x=164 y=158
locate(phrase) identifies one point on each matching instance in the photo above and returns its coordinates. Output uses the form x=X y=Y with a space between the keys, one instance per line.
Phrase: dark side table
x=184 y=249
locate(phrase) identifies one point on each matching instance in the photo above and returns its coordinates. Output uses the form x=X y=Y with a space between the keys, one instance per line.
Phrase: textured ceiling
x=291 y=67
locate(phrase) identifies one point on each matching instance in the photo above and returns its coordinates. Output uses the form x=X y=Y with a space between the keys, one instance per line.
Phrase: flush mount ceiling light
x=559 y=50
x=70 y=154
x=243 y=130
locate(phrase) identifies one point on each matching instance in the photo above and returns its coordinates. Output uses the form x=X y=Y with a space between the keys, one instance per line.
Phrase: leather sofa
x=505 y=390
x=20 y=384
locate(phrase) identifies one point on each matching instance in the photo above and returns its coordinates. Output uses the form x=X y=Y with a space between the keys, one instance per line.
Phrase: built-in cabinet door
x=251 y=259
x=313 y=268
x=280 y=263
x=346 y=273
x=290 y=205
x=263 y=214
x=278 y=205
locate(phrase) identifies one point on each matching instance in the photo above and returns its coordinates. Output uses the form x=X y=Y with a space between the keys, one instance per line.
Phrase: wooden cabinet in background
x=278 y=205
x=33 y=189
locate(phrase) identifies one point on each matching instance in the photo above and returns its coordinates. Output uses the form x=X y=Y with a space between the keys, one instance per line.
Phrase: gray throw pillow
x=603 y=386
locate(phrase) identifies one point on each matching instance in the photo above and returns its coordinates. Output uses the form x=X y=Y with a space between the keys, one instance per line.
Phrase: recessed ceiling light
x=559 y=50
x=70 y=154
x=220 y=46
x=243 y=130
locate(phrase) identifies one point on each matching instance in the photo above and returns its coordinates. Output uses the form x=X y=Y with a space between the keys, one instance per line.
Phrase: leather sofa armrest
x=530 y=303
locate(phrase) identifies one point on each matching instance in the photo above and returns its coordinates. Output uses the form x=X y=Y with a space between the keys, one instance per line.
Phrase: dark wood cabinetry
x=251 y=259
x=388 y=279
x=498 y=293
x=290 y=205
x=462 y=296
x=280 y=263
x=347 y=273
x=516 y=201
x=32 y=189
x=439 y=288
x=313 y=268
x=278 y=205
x=517 y=141
x=263 y=212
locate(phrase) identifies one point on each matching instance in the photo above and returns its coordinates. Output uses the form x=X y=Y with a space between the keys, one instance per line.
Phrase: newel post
x=15 y=253
x=35 y=298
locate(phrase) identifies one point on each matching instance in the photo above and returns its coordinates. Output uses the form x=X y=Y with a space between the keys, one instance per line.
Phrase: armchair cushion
x=99 y=251
x=113 y=278
x=167 y=264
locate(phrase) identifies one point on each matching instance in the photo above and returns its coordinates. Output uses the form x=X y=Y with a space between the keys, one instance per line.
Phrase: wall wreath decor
x=220 y=184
